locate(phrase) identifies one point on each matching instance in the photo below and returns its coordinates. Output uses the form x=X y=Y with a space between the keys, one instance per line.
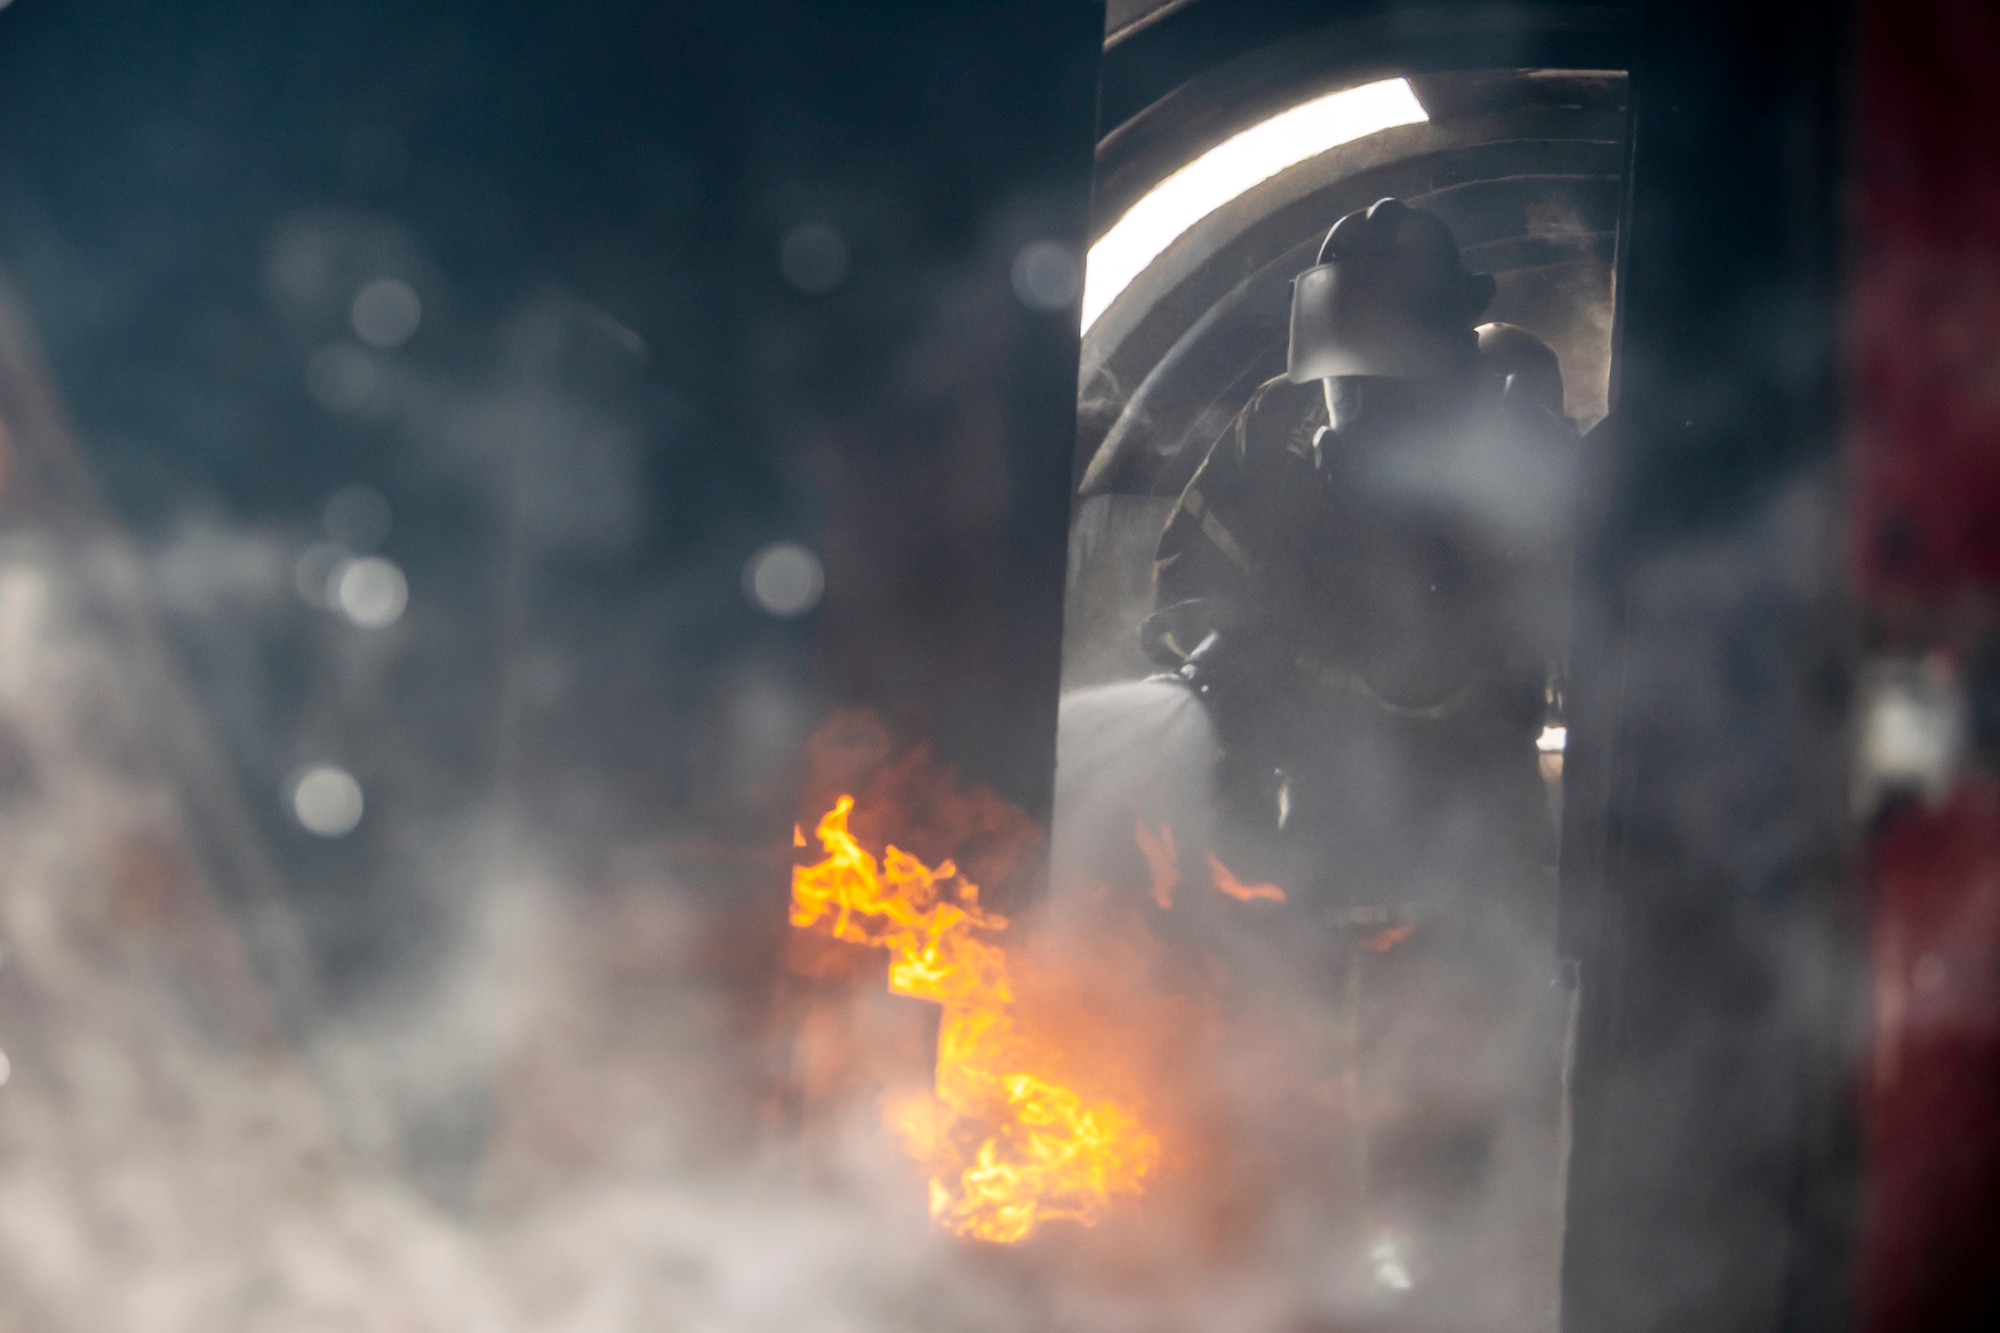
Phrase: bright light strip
x=1231 y=167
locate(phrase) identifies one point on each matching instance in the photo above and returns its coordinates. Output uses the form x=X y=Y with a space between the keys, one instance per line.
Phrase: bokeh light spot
x=372 y=592
x=326 y=800
x=784 y=579
x=386 y=313
x=1047 y=276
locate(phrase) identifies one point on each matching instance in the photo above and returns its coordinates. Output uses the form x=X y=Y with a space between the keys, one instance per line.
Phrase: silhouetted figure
x=1366 y=583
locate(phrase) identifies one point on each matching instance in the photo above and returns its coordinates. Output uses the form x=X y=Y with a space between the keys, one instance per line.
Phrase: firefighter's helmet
x=1390 y=296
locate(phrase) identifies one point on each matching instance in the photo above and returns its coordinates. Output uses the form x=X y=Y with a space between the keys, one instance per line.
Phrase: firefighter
x=1365 y=581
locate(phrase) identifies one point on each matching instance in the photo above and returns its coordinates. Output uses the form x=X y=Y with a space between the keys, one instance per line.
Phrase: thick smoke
x=169 y=1161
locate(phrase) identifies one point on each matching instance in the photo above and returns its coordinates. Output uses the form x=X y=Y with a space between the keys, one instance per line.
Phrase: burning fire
x=1227 y=882
x=1008 y=1146
x=1163 y=869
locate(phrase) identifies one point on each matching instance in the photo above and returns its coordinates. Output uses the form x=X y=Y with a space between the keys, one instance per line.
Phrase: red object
x=1931 y=1248
x=1926 y=307
x=1925 y=340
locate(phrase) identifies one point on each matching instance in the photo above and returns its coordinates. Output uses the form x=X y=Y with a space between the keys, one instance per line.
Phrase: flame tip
x=1225 y=880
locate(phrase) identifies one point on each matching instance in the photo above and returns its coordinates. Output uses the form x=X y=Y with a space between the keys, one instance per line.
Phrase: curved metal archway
x=1527 y=173
x=1525 y=163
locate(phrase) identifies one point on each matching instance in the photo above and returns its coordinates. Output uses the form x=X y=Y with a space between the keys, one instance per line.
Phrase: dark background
x=579 y=663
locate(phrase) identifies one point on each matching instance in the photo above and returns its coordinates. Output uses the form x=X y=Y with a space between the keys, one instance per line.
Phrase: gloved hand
x=1223 y=660
x=1207 y=665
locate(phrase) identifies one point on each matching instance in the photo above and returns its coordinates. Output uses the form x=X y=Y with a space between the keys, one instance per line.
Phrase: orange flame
x=1007 y=1146
x=1226 y=881
x=1385 y=940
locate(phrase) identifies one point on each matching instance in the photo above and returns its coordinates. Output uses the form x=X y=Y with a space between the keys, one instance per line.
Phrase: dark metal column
x=1705 y=890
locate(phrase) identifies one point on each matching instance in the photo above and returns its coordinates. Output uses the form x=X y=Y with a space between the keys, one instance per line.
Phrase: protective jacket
x=1376 y=613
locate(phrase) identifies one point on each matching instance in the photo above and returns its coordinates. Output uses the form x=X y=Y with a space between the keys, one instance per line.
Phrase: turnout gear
x=1366 y=579
x=1365 y=583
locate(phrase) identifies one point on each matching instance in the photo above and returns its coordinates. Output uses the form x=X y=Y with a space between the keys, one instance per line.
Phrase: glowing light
x=1553 y=740
x=1231 y=167
x=1008 y=1146
x=1389 y=1270
x=1226 y=881
x=1046 y=275
x=326 y=800
x=371 y=591
x=784 y=580
x=1382 y=941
